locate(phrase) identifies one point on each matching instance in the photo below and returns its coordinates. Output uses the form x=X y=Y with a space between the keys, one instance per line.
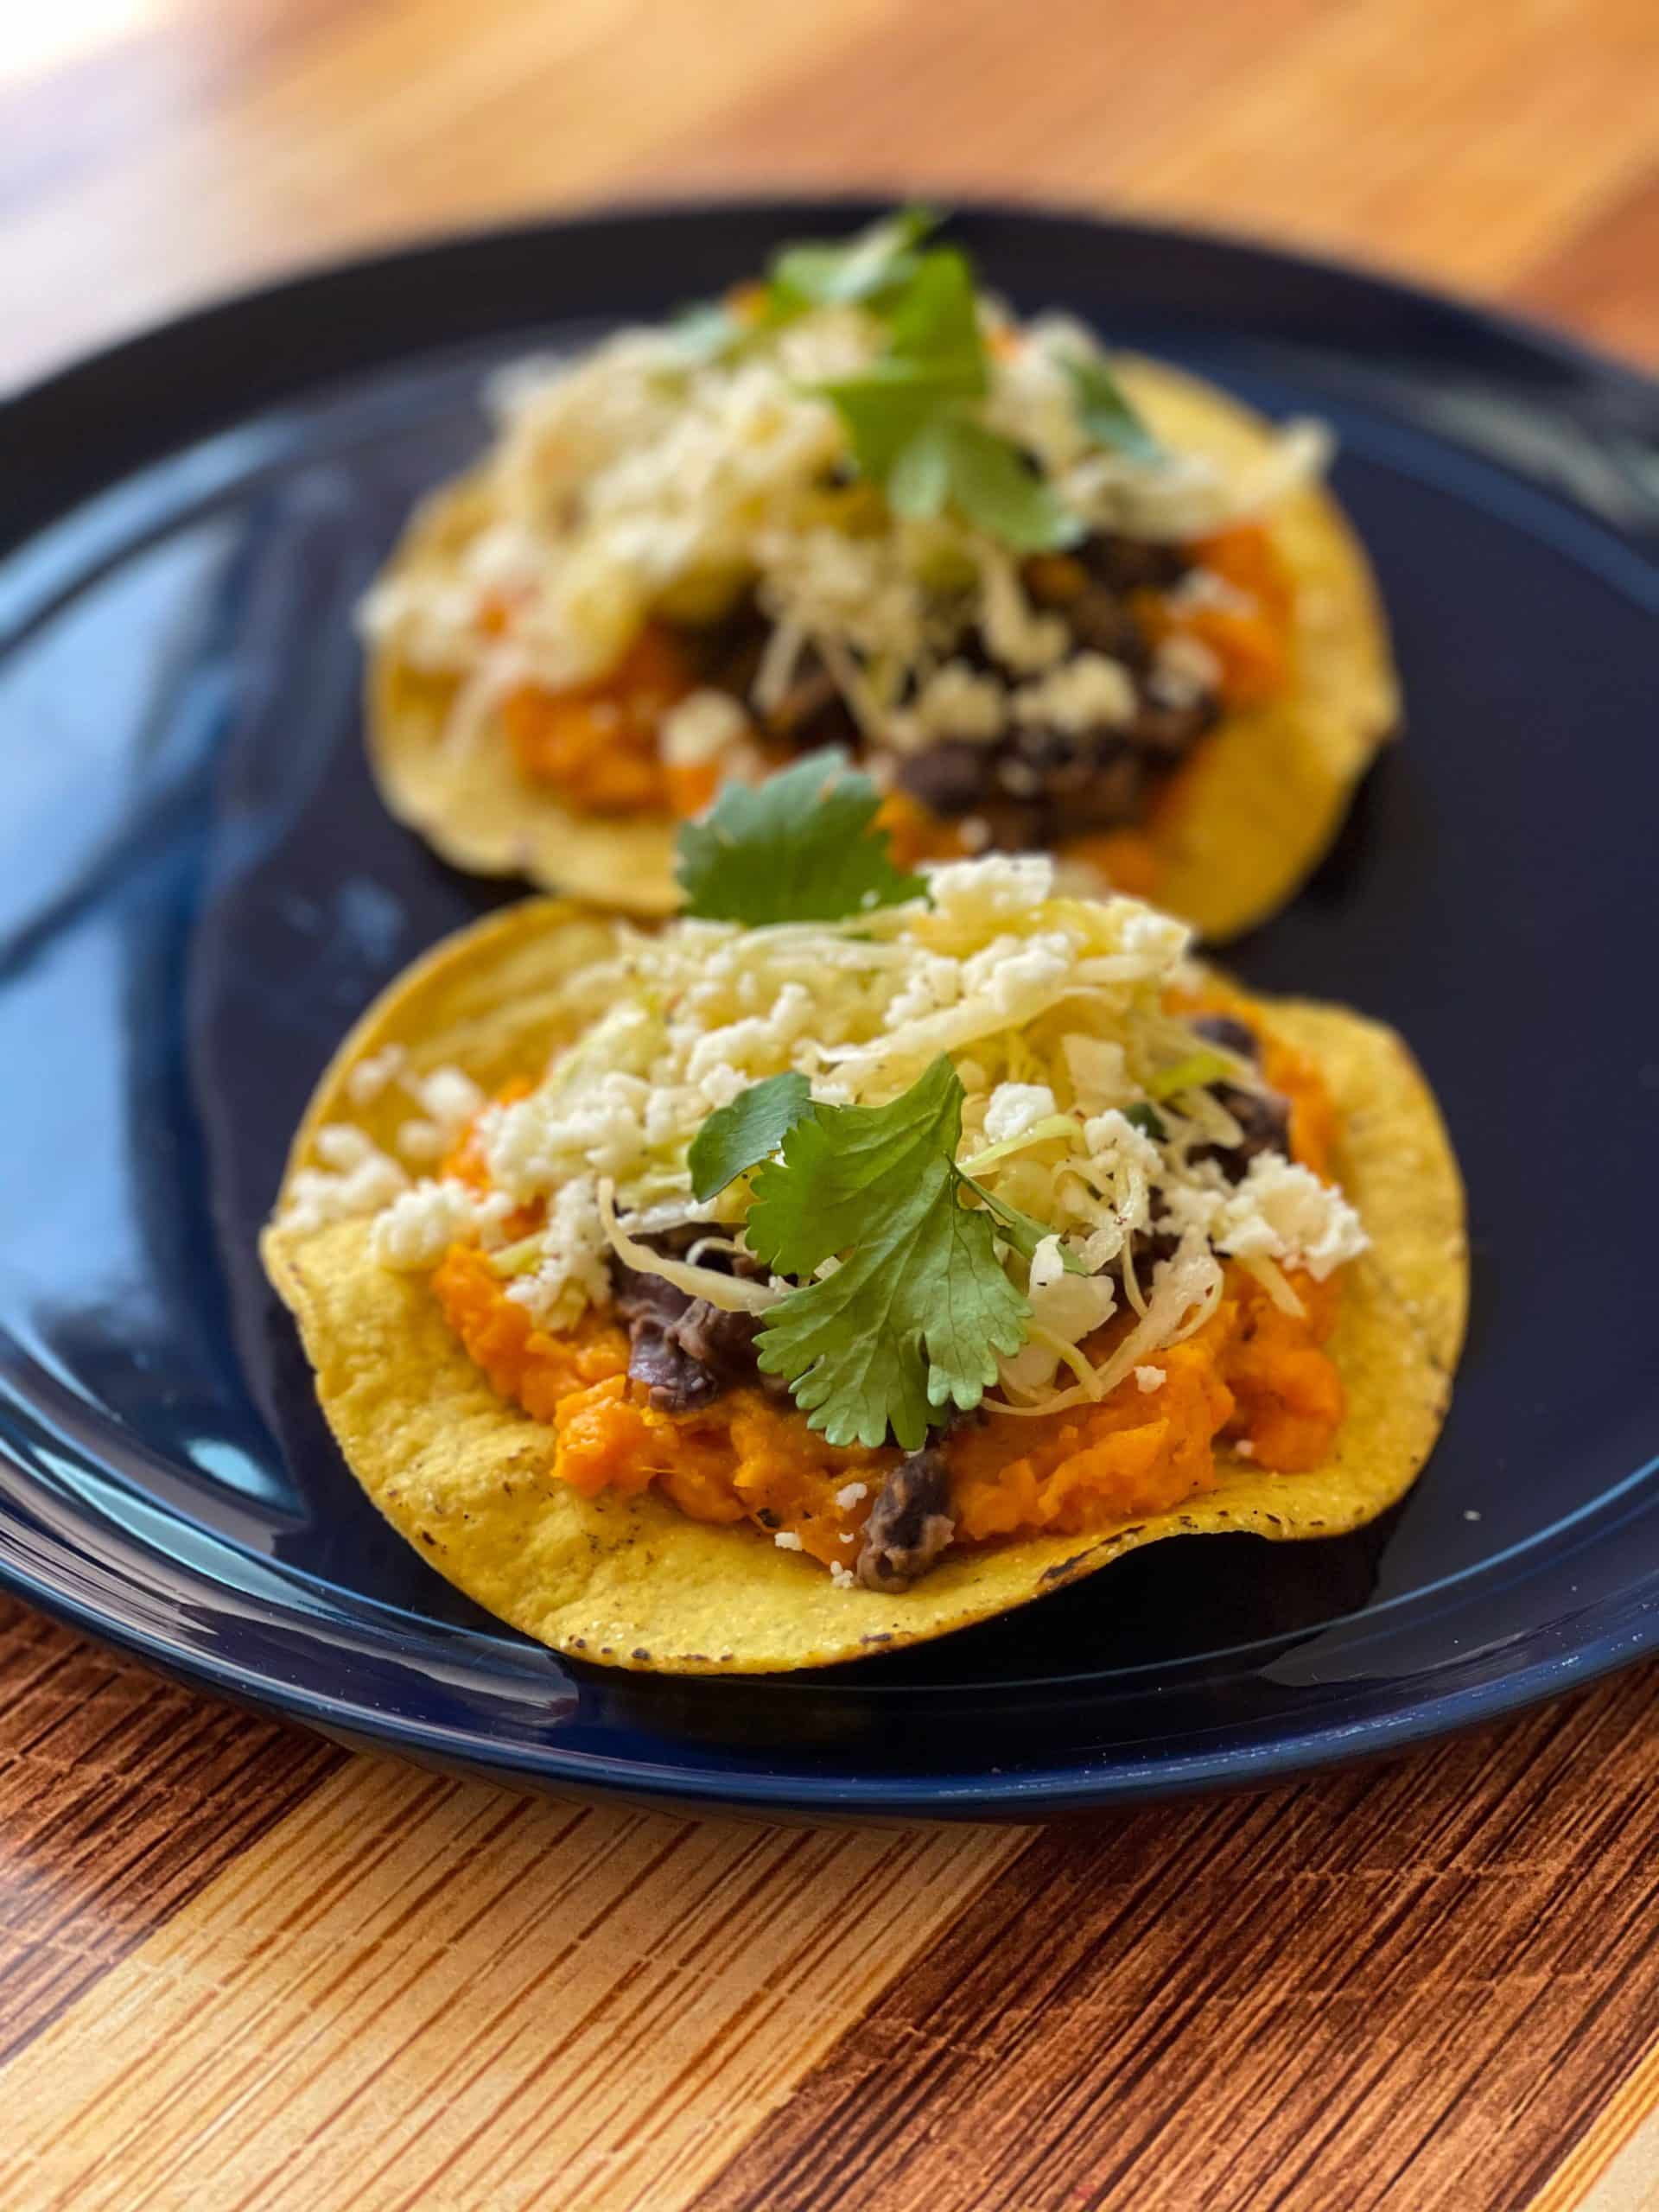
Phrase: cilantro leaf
x=1105 y=413
x=953 y=458
x=905 y=417
x=802 y=847
x=1146 y=1118
x=935 y=321
x=934 y=357
x=704 y=333
x=996 y=491
x=738 y=1136
x=918 y=476
x=818 y=276
x=886 y=408
x=912 y=1317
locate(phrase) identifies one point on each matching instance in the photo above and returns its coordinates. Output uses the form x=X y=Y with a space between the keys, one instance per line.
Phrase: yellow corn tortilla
x=461 y=1473
x=1265 y=793
x=1260 y=801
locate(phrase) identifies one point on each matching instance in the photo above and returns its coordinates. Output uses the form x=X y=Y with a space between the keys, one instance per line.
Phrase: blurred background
x=155 y=152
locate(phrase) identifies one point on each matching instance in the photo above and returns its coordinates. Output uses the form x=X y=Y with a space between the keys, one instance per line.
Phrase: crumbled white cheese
x=574 y=1270
x=701 y=728
x=850 y=1495
x=420 y=1140
x=1149 y=1379
x=1047 y=1264
x=1098 y=1070
x=1283 y=1211
x=356 y=1180
x=1184 y=668
x=1201 y=588
x=1016 y=972
x=956 y=702
x=787 y=1540
x=1065 y=1308
x=372 y=1074
x=826 y=584
x=597 y=1126
x=967 y=892
x=1032 y=400
x=448 y=1097
x=421 y=1225
x=843 y=1577
x=1018 y=636
x=935 y=982
x=1087 y=692
x=1014 y=1108
x=1242 y=1448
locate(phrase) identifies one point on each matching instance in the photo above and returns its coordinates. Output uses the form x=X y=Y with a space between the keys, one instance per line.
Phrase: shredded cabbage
x=732 y=1294
x=1187 y=1293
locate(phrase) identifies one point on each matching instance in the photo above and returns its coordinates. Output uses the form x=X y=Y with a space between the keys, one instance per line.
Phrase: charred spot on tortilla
x=1052 y=596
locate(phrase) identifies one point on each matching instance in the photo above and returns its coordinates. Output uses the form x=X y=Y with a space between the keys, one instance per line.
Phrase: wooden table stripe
x=1383 y=1974
x=120 y=1799
x=1614 y=2166
x=415 y=1990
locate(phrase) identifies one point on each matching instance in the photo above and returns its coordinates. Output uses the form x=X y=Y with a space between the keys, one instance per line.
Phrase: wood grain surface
x=240 y=1968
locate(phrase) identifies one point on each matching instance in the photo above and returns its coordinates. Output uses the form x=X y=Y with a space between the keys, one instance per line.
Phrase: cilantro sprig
x=909 y=418
x=913 y=1314
x=802 y=847
x=1104 y=410
x=738 y=1136
x=910 y=413
x=877 y=262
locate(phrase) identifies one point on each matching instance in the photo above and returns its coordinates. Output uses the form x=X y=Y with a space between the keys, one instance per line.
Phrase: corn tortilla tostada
x=1052 y=597
x=765 y=1290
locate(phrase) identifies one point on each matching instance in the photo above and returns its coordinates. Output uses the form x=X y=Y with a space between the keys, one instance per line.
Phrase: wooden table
x=239 y=1968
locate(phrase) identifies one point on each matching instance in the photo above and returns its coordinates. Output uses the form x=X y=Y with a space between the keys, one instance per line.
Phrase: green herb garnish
x=1104 y=411
x=802 y=847
x=912 y=1317
x=1022 y=1230
x=909 y=413
x=1146 y=1119
x=705 y=332
x=876 y=262
x=737 y=1137
x=987 y=475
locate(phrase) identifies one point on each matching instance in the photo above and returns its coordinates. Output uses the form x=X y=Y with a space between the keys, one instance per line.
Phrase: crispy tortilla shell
x=461 y=1473
x=1261 y=801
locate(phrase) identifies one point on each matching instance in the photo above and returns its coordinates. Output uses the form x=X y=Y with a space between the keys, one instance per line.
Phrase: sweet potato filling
x=596 y=744
x=1252 y=1374
x=1251 y=631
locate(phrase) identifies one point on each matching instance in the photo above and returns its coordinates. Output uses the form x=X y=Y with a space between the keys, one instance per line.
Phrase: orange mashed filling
x=1254 y=1376
x=595 y=744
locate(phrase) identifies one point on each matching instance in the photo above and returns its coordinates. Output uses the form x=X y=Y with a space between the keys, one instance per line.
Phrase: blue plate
x=199 y=890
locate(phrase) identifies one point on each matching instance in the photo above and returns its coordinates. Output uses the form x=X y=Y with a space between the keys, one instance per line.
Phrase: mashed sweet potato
x=1253 y=1375
x=595 y=744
